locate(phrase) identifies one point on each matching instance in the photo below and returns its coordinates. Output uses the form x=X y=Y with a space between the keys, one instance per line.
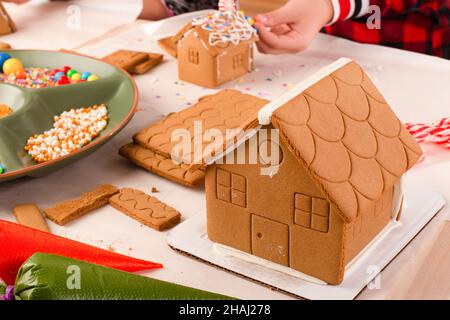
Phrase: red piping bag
x=18 y=243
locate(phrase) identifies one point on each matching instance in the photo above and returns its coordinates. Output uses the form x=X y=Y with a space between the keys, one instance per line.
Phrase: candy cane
x=227 y=5
x=438 y=133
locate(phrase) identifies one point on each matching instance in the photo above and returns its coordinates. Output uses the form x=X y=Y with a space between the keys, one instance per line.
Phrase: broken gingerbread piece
x=162 y=166
x=168 y=45
x=29 y=215
x=4 y=46
x=70 y=210
x=145 y=209
x=153 y=60
x=126 y=59
x=7 y=25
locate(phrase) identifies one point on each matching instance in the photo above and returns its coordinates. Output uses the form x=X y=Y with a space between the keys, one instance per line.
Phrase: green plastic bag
x=52 y=277
x=3 y=287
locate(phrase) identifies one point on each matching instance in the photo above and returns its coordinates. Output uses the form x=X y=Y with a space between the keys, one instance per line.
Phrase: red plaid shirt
x=415 y=25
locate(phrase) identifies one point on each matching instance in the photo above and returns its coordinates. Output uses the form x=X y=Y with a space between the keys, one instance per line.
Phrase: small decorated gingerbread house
x=7 y=25
x=342 y=154
x=213 y=49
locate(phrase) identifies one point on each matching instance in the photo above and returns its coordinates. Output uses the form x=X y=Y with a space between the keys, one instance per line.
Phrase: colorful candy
x=227 y=26
x=71 y=131
x=93 y=77
x=15 y=73
x=76 y=77
x=71 y=72
x=58 y=75
x=2 y=169
x=3 y=58
x=12 y=66
x=85 y=75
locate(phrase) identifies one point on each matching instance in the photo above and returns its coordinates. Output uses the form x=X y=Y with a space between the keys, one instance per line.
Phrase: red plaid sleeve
x=416 y=25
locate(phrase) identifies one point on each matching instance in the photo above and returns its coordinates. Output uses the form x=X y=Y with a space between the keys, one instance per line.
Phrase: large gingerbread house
x=213 y=49
x=7 y=25
x=342 y=152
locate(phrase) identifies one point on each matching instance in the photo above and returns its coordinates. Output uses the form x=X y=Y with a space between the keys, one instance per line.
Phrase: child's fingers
x=282 y=15
x=290 y=42
x=264 y=48
x=281 y=29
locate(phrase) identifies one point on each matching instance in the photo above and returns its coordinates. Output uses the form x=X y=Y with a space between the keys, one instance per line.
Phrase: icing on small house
x=215 y=48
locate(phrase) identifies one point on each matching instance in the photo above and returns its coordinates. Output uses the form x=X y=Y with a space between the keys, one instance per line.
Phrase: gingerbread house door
x=270 y=240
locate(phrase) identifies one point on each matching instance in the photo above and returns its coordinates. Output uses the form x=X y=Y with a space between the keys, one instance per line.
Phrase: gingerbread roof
x=204 y=34
x=226 y=110
x=345 y=134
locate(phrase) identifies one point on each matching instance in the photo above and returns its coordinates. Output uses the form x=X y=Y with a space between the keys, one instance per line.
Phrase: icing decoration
x=18 y=243
x=227 y=5
x=226 y=27
x=437 y=133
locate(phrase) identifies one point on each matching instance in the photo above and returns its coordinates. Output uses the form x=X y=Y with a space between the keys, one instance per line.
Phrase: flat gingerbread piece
x=169 y=46
x=126 y=59
x=153 y=60
x=29 y=215
x=4 y=46
x=70 y=210
x=145 y=209
x=162 y=166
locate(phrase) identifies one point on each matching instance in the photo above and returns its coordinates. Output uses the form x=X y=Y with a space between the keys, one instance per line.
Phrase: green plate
x=34 y=109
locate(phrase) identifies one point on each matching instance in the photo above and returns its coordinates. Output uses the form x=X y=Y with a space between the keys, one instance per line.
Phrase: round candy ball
x=3 y=58
x=12 y=65
x=85 y=75
x=64 y=80
x=66 y=69
x=58 y=75
x=93 y=77
x=2 y=169
x=71 y=72
x=76 y=77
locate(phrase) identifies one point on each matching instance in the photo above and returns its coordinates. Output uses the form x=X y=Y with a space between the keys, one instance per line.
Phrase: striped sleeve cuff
x=348 y=9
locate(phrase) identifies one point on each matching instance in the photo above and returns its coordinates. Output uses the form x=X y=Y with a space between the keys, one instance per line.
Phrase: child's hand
x=153 y=10
x=293 y=27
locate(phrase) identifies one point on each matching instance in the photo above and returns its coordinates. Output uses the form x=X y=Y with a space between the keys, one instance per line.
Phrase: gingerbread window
x=312 y=213
x=194 y=56
x=238 y=60
x=231 y=188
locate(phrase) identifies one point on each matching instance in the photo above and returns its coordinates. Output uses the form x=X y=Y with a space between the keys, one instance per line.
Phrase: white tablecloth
x=416 y=85
x=66 y=24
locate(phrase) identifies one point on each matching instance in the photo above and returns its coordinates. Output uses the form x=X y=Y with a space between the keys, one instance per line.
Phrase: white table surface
x=415 y=85
x=66 y=24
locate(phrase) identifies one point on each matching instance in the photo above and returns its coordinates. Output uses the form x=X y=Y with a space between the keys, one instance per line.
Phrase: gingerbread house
x=213 y=49
x=7 y=25
x=342 y=154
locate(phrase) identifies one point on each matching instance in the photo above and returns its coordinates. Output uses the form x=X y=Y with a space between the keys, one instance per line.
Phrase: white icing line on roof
x=265 y=114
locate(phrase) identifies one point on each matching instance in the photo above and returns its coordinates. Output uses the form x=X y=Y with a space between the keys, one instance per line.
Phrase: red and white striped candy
x=438 y=133
x=227 y=5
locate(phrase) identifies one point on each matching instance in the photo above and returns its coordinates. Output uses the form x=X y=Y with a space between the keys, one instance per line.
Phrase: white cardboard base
x=421 y=205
